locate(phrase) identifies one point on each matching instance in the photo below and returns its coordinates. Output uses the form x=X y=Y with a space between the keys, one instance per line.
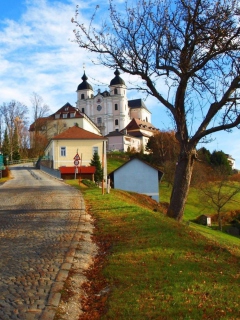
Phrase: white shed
x=137 y=176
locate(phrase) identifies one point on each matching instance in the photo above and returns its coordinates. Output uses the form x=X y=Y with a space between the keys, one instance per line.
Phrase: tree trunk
x=183 y=173
x=220 y=221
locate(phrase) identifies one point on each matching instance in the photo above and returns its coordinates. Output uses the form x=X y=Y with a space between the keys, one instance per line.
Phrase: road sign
x=76 y=162
x=77 y=157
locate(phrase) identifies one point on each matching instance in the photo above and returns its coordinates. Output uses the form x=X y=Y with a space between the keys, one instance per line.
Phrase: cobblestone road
x=40 y=219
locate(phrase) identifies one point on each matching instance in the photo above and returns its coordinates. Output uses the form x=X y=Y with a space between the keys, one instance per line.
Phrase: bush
x=89 y=183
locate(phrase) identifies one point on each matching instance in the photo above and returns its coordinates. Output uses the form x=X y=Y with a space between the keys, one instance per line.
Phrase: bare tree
x=14 y=115
x=189 y=47
x=219 y=192
x=39 y=135
x=40 y=109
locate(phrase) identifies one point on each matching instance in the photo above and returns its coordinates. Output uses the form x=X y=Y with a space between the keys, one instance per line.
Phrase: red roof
x=77 y=133
x=136 y=124
x=86 y=170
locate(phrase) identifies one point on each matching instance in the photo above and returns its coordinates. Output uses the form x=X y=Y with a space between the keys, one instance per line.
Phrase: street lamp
x=7 y=160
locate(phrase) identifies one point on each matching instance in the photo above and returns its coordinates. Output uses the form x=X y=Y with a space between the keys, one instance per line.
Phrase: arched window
x=116 y=106
x=82 y=96
x=115 y=91
x=116 y=122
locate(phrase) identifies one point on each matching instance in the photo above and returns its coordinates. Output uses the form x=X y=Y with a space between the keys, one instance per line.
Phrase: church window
x=99 y=120
x=116 y=106
x=116 y=122
x=115 y=91
x=83 y=110
x=82 y=96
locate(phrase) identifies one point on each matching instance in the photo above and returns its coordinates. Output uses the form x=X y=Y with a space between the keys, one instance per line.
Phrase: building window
x=116 y=106
x=72 y=114
x=115 y=91
x=65 y=115
x=99 y=120
x=82 y=96
x=116 y=122
x=95 y=150
x=82 y=110
x=63 y=151
x=57 y=116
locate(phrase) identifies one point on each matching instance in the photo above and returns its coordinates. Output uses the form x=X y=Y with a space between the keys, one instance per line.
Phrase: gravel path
x=44 y=232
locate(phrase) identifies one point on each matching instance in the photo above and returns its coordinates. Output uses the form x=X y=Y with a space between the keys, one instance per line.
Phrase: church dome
x=84 y=85
x=117 y=80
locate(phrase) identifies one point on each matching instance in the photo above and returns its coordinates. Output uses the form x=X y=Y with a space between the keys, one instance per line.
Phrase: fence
x=53 y=172
x=12 y=162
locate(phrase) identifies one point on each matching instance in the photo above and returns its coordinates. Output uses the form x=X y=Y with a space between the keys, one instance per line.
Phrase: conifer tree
x=96 y=163
x=15 y=145
x=5 y=145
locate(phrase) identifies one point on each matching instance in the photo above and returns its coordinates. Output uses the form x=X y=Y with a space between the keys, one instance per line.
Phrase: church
x=126 y=123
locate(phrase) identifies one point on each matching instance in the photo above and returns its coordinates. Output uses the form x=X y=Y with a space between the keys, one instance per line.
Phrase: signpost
x=76 y=163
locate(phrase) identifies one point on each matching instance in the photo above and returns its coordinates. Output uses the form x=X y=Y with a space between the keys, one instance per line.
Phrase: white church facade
x=112 y=112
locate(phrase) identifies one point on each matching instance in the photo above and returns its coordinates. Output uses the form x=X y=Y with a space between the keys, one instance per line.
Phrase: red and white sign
x=77 y=157
x=76 y=162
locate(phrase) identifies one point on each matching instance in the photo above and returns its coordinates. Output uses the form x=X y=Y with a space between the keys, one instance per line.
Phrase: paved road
x=39 y=224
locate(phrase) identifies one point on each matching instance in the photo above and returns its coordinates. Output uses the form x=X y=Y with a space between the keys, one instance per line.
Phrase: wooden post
x=103 y=168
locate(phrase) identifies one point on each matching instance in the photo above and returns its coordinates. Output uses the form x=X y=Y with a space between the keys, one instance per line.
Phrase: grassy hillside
x=195 y=206
x=115 y=160
x=151 y=267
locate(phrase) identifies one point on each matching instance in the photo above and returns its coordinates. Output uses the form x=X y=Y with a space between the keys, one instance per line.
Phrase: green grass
x=114 y=161
x=157 y=268
x=195 y=206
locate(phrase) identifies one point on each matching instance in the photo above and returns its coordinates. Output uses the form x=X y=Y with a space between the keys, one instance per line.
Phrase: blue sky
x=37 y=54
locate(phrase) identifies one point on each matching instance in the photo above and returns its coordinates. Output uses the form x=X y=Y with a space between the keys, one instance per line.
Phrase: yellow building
x=62 y=149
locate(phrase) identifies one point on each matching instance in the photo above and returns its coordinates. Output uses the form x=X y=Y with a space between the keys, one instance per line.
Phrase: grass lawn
x=156 y=268
x=115 y=161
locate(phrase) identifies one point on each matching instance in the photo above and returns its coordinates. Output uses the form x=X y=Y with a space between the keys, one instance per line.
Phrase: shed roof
x=160 y=173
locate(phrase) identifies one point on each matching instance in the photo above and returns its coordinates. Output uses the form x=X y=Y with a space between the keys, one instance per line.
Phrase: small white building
x=137 y=176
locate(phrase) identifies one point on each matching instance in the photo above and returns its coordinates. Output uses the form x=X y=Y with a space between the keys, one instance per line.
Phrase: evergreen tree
x=219 y=160
x=5 y=146
x=96 y=163
x=15 y=145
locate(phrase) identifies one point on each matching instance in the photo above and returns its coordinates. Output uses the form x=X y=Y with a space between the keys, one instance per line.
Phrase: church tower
x=108 y=110
x=84 y=93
